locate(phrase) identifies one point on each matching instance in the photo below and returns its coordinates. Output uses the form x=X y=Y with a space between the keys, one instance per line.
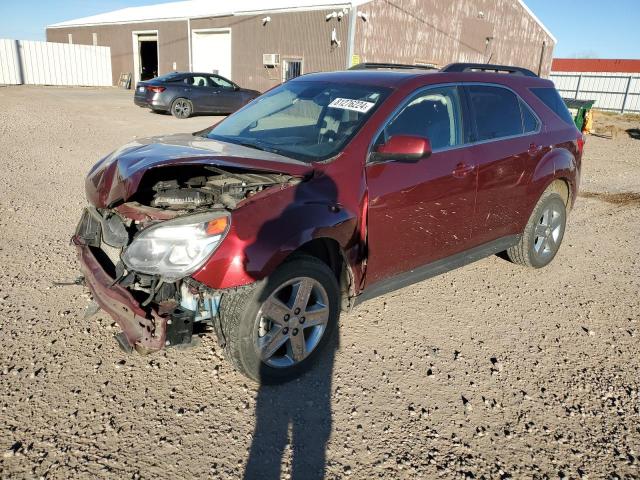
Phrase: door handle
x=462 y=170
x=533 y=149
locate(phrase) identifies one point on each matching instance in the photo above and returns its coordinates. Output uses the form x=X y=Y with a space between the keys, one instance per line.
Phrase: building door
x=211 y=52
x=145 y=55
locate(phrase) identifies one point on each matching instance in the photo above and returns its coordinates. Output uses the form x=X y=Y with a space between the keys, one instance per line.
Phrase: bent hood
x=117 y=177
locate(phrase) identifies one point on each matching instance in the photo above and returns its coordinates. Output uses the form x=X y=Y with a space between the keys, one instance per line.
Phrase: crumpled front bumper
x=144 y=334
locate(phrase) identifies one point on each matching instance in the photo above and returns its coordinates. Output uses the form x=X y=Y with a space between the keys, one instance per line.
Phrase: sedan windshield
x=305 y=120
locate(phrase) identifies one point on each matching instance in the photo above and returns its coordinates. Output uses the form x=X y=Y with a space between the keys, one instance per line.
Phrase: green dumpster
x=578 y=109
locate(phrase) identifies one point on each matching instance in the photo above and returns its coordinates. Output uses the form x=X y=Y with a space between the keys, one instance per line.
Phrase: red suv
x=328 y=190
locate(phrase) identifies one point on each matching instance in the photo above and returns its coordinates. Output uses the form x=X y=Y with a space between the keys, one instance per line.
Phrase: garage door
x=211 y=52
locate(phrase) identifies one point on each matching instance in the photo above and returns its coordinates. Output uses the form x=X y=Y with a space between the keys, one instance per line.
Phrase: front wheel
x=275 y=329
x=543 y=233
x=181 y=108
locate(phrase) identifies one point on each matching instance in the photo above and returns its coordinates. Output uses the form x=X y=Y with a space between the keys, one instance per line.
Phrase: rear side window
x=530 y=123
x=496 y=112
x=551 y=98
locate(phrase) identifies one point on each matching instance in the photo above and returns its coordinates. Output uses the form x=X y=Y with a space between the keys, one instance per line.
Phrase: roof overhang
x=193 y=9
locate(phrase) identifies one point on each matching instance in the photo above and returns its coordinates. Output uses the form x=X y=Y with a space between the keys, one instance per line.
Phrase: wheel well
x=328 y=251
x=561 y=186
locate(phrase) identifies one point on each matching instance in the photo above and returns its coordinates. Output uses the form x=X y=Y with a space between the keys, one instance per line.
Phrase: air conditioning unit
x=270 y=59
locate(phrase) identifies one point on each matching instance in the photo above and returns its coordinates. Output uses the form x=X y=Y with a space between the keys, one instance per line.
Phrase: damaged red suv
x=328 y=190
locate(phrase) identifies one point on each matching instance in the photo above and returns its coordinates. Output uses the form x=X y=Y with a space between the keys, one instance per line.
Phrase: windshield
x=305 y=120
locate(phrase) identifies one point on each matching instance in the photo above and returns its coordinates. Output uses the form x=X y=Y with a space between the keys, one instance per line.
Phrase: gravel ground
x=489 y=371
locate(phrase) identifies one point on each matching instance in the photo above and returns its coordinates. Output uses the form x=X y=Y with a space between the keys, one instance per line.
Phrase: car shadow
x=294 y=420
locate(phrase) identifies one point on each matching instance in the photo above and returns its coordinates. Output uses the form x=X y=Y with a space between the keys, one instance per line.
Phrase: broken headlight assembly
x=176 y=248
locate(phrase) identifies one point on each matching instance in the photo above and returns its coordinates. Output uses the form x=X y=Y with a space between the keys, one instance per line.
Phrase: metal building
x=260 y=43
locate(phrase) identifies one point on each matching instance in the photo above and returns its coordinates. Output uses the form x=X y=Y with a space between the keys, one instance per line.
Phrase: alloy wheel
x=291 y=322
x=182 y=108
x=548 y=232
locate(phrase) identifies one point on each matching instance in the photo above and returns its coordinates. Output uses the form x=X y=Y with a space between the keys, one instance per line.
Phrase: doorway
x=145 y=55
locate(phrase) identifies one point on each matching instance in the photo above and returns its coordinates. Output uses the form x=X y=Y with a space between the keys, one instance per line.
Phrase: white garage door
x=211 y=52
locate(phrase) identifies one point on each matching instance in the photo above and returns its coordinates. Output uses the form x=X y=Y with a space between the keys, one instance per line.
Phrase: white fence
x=619 y=92
x=46 y=63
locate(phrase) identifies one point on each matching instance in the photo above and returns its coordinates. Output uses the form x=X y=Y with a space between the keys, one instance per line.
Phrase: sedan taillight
x=156 y=89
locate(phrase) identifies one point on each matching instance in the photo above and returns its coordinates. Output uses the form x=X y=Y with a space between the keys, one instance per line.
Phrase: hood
x=117 y=177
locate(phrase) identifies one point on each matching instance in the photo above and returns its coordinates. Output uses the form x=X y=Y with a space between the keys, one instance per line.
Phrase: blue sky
x=585 y=28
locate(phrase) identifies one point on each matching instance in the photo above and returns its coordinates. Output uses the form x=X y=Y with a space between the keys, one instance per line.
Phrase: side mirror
x=236 y=88
x=402 y=148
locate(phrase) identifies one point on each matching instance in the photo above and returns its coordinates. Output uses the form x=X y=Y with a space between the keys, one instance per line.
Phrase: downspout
x=189 y=43
x=542 y=52
x=353 y=15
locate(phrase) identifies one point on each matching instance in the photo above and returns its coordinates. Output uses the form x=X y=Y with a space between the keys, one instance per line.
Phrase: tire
x=251 y=330
x=182 y=108
x=543 y=233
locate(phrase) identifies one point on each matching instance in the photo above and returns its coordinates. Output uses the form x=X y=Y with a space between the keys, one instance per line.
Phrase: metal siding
x=305 y=35
x=43 y=63
x=411 y=31
x=608 y=89
x=172 y=43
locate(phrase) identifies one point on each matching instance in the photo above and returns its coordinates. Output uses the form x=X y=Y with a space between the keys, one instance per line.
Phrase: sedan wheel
x=182 y=108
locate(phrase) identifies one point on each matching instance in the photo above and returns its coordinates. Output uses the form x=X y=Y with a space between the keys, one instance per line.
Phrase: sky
x=584 y=28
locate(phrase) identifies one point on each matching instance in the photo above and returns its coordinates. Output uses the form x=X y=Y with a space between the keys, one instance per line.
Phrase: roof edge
x=320 y=6
x=538 y=21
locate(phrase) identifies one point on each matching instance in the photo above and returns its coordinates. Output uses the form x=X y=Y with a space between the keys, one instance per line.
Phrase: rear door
x=226 y=98
x=201 y=93
x=506 y=150
x=423 y=211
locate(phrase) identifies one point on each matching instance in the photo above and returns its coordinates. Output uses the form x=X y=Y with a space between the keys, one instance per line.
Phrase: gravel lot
x=489 y=371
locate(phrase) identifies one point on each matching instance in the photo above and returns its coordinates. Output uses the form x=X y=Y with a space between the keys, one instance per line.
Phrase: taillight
x=580 y=141
x=156 y=89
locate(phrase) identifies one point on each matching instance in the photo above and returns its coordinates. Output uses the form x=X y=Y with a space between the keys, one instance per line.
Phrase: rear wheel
x=275 y=329
x=543 y=233
x=181 y=108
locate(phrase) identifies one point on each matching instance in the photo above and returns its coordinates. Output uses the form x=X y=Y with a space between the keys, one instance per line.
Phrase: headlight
x=176 y=248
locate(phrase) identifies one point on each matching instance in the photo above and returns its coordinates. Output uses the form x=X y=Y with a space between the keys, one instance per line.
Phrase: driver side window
x=432 y=114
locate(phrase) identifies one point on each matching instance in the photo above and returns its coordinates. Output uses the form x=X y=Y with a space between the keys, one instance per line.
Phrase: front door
x=423 y=211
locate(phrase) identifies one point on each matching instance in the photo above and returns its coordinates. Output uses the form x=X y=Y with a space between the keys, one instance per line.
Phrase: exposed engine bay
x=169 y=194
x=223 y=190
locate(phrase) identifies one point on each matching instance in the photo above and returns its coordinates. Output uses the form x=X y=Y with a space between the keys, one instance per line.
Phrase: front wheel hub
x=279 y=346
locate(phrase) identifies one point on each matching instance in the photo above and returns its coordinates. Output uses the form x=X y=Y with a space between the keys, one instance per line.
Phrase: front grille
x=90 y=231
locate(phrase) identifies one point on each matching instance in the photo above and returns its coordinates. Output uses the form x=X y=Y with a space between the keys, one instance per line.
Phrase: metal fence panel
x=47 y=63
x=612 y=91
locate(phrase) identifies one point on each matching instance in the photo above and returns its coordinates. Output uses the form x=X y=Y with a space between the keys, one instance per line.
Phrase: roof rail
x=488 y=67
x=398 y=66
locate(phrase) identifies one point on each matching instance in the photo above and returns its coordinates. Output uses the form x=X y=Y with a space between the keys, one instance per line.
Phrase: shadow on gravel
x=634 y=133
x=622 y=198
x=294 y=420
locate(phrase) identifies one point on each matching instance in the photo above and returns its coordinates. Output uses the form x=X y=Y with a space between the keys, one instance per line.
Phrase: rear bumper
x=156 y=102
x=144 y=334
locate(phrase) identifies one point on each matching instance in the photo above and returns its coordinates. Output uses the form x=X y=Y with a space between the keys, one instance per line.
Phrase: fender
x=262 y=236
x=557 y=163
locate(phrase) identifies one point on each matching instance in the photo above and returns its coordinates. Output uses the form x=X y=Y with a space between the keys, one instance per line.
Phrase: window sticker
x=349 y=104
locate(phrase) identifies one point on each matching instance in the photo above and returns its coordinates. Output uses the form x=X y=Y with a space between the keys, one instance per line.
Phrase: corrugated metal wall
x=294 y=35
x=44 y=63
x=433 y=31
x=612 y=91
x=172 y=43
